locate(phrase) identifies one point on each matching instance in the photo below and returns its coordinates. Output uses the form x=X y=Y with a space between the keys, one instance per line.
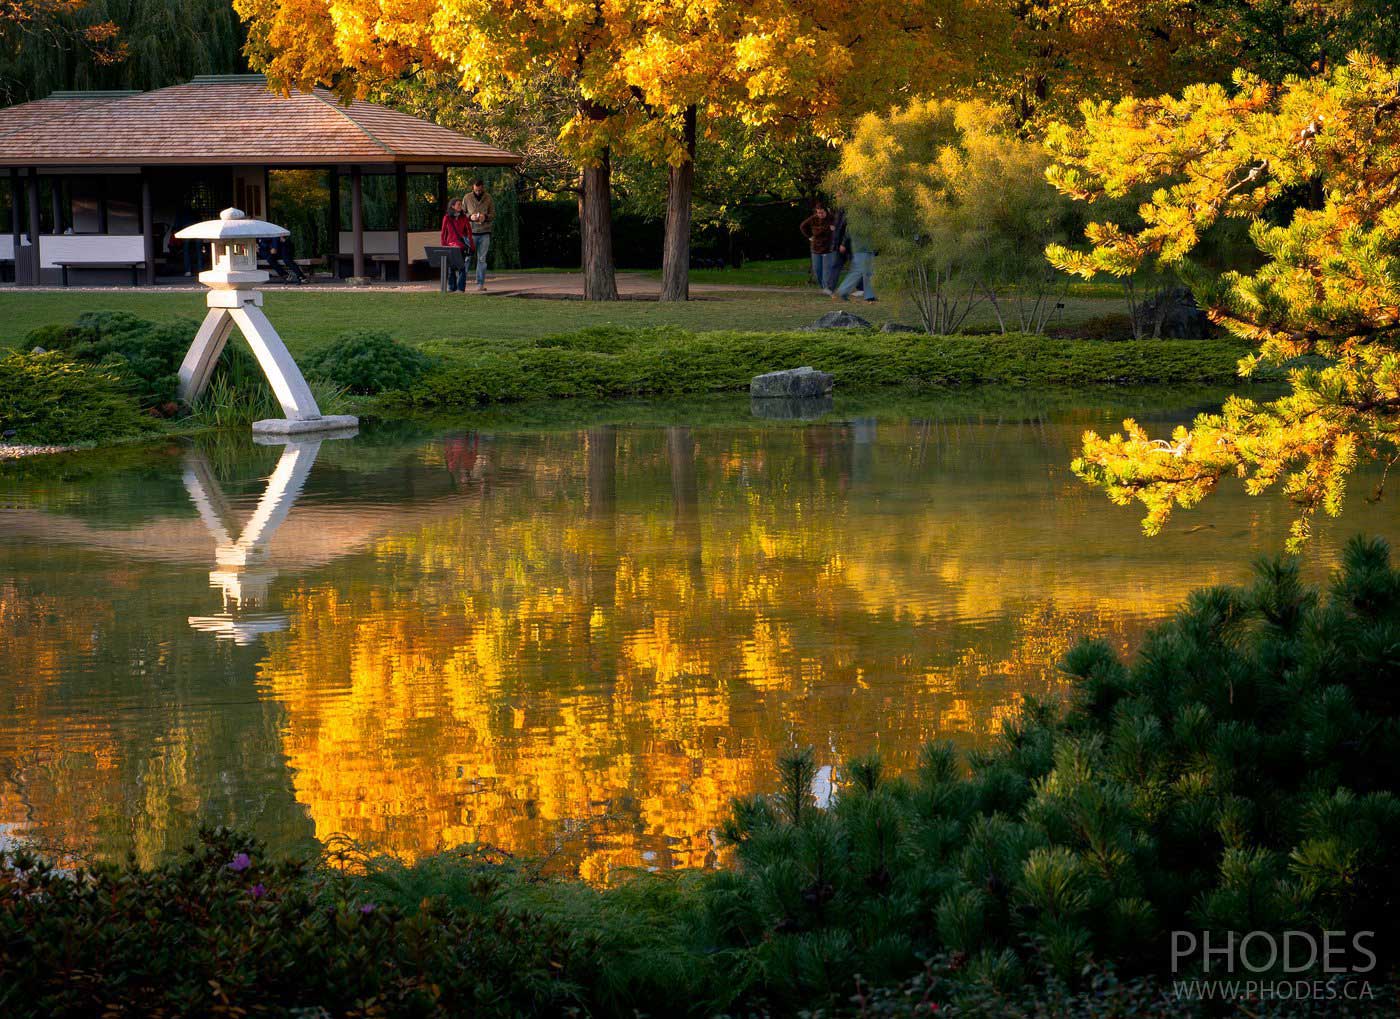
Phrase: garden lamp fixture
x=234 y=300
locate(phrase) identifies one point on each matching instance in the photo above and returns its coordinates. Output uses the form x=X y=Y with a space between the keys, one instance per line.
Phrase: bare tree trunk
x=595 y=228
x=680 y=190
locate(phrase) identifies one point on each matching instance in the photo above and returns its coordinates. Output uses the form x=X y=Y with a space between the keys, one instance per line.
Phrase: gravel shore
x=8 y=452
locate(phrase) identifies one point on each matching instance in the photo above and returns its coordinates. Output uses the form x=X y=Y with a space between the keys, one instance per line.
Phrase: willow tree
x=117 y=44
x=1321 y=157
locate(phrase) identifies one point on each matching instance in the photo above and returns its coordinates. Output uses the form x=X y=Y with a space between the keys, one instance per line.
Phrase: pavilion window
x=122 y=198
x=381 y=202
x=91 y=204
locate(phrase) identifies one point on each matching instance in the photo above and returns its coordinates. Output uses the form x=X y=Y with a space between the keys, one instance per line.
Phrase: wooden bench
x=384 y=261
x=73 y=263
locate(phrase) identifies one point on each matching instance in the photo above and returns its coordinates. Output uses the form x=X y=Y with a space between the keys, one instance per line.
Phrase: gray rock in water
x=785 y=408
x=899 y=327
x=839 y=320
x=798 y=383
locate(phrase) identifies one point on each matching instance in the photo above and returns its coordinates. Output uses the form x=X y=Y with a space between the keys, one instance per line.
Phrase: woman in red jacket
x=457 y=233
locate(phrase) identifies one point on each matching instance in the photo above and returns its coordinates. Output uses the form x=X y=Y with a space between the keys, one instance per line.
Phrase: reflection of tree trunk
x=685 y=497
x=602 y=514
x=675 y=258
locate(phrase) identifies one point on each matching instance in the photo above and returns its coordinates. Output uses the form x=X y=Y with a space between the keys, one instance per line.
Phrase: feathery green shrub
x=149 y=354
x=605 y=362
x=368 y=361
x=51 y=399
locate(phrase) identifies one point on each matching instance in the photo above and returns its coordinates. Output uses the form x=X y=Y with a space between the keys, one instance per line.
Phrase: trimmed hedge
x=616 y=362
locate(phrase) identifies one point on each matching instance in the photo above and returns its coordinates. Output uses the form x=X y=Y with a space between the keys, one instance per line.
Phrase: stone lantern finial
x=234 y=299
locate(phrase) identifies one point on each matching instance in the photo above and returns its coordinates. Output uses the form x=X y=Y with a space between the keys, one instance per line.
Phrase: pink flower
x=258 y=890
x=241 y=862
x=367 y=908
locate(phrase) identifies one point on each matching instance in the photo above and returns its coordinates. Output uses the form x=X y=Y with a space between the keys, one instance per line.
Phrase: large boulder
x=794 y=383
x=838 y=320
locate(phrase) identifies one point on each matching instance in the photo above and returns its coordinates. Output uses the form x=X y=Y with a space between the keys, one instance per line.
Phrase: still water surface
x=580 y=642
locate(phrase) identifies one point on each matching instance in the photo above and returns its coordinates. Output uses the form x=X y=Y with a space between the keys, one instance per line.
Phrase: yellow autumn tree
x=642 y=75
x=1321 y=157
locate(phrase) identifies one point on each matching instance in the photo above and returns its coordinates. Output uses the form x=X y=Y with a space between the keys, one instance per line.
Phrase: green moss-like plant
x=368 y=361
x=50 y=398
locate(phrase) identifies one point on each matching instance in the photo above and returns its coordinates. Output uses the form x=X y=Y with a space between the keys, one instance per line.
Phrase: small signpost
x=234 y=300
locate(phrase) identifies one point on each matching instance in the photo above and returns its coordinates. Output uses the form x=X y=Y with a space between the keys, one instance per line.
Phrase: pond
x=577 y=641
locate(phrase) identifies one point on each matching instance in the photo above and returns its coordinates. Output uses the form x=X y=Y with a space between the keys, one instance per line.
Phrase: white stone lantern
x=234 y=300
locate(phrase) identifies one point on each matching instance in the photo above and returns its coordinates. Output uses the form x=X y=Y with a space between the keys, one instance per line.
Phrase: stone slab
x=288 y=426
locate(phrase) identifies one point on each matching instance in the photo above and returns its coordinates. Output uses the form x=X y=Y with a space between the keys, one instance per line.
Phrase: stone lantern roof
x=232 y=225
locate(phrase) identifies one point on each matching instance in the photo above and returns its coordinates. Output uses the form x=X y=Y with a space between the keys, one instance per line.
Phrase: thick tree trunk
x=680 y=191
x=595 y=227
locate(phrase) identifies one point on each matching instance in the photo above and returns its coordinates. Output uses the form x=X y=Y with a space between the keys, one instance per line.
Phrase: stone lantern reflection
x=242 y=573
x=234 y=300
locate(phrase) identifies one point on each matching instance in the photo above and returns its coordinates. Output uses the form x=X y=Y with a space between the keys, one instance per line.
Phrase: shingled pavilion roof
x=227 y=120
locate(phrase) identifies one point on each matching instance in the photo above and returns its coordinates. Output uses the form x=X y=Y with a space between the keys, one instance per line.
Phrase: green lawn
x=307 y=318
x=780 y=272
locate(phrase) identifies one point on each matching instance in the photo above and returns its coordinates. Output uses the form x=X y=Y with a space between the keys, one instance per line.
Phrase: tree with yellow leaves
x=1314 y=166
x=643 y=76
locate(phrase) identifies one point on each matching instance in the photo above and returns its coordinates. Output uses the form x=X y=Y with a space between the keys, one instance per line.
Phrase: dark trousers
x=283 y=260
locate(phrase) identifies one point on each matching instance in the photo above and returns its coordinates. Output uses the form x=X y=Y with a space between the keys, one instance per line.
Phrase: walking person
x=481 y=210
x=840 y=249
x=818 y=229
x=457 y=233
x=862 y=270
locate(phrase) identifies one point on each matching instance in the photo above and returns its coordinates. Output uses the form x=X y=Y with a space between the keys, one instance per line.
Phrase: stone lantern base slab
x=287 y=426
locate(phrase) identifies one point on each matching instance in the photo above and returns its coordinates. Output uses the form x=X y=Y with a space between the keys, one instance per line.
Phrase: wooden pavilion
x=100 y=181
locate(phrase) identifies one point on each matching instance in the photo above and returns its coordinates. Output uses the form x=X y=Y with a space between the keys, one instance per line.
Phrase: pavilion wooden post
x=16 y=205
x=56 y=205
x=357 y=222
x=148 y=228
x=334 y=242
x=34 y=260
x=401 y=196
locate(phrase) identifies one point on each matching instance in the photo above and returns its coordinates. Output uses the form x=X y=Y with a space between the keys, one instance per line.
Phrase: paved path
x=558 y=285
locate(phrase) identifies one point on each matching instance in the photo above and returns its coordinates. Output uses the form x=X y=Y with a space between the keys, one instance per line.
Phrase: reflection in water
x=242 y=574
x=582 y=643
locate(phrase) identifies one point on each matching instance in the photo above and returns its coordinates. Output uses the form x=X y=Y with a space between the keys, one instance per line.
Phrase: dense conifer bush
x=146 y=353
x=368 y=361
x=1239 y=775
x=50 y=398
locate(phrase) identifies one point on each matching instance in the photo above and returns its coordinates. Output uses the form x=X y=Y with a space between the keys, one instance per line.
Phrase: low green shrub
x=149 y=355
x=225 y=931
x=1238 y=776
x=366 y=362
x=607 y=362
x=50 y=398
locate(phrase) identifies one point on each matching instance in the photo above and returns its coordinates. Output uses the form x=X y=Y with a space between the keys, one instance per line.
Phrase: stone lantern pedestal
x=234 y=300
